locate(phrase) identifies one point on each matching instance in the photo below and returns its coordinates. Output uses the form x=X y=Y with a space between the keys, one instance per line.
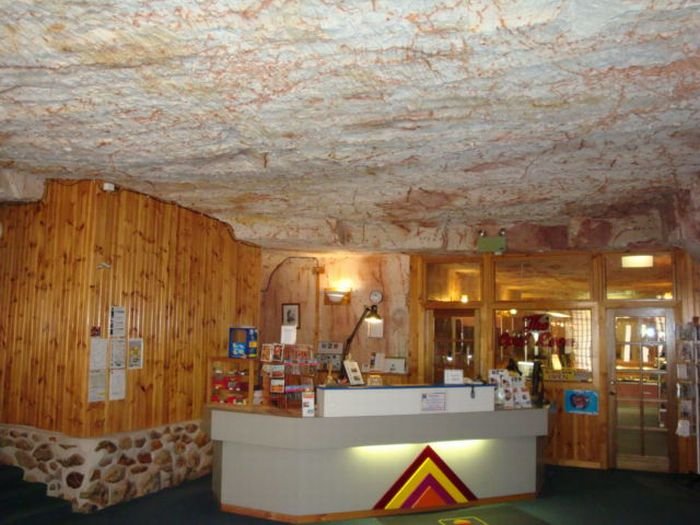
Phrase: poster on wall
x=581 y=402
x=118 y=359
x=117 y=384
x=98 y=353
x=288 y=335
x=135 y=354
x=97 y=386
x=117 y=321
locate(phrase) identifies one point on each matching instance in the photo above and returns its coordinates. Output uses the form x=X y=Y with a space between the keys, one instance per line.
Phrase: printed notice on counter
x=434 y=402
x=118 y=353
x=117 y=384
x=135 y=353
x=98 y=353
x=97 y=386
x=117 y=321
x=454 y=376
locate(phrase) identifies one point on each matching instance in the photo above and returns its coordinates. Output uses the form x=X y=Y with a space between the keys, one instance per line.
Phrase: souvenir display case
x=232 y=380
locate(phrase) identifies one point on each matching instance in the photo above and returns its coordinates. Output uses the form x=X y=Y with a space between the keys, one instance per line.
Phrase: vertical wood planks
x=175 y=271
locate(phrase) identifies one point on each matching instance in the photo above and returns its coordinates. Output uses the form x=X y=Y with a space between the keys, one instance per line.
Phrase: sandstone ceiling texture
x=389 y=125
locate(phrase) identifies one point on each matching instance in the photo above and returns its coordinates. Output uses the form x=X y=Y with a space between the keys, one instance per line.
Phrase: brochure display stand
x=287 y=372
x=687 y=385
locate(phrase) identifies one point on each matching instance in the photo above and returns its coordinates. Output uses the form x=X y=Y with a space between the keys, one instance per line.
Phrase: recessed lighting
x=637 y=261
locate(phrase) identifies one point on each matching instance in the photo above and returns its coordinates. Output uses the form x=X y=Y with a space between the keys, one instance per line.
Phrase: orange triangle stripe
x=429 y=498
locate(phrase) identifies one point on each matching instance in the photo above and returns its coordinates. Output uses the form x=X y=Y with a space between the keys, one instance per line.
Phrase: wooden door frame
x=641 y=310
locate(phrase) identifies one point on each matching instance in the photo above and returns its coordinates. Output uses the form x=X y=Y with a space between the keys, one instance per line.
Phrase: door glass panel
x=654 y=415
x=629 y=441
x=655 y=444
x=628 y=414
x=455 y=343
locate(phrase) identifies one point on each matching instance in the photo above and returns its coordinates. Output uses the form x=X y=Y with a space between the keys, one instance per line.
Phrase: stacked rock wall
x=93 y=473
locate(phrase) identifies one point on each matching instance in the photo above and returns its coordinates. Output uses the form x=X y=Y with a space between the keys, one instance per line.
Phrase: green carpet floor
x=491 y=515
x=569 y=497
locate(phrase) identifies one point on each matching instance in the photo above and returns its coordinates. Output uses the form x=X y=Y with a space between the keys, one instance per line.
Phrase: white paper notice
x=288 y=335
x=97 y=386
x=98 y=353
x=117 y=384
x=434 y=402
x=683 y=428
x=117 y=321
x=118 y=353
x=135 y=353
x=454 y=376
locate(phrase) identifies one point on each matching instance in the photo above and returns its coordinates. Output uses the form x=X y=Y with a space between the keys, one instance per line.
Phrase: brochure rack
x=687 y=386
x=287 y=371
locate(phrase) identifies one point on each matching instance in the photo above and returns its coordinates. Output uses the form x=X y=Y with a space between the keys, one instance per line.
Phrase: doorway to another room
x=641 y=418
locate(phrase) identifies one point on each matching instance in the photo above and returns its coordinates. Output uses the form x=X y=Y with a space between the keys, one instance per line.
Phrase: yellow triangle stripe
x=427 y=467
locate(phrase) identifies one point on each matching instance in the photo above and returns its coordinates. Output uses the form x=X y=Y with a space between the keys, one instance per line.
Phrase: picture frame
x=352 y=370
x=290 y=315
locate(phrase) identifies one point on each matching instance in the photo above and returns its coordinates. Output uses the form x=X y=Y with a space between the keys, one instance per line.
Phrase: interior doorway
x=455 y=336
x=641 y=422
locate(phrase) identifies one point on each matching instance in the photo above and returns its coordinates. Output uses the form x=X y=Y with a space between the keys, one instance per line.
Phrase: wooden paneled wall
x=64 y=261
x=301 y=277
x=574 y=440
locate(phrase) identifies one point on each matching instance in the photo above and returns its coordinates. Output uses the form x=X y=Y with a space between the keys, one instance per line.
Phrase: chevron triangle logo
x=427 y=482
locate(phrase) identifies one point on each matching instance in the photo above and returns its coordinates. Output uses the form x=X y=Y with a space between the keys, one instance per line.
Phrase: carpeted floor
x=491 y=515
x=570 y=497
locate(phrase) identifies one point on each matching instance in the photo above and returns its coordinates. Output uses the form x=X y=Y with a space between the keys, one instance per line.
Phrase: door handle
x=612 y=393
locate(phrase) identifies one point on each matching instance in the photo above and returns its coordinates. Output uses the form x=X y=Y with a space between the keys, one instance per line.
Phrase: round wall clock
x=375 y=296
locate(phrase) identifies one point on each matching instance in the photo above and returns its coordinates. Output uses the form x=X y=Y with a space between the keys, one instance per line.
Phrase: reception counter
x=310 y=469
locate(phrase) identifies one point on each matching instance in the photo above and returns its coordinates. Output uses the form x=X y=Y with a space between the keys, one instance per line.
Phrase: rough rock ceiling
x=386 y=124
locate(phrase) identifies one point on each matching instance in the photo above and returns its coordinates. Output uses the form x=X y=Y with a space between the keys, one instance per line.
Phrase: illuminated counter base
x=305 y=469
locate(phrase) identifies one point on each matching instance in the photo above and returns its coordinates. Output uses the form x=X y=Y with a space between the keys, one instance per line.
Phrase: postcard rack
x=287 y=371
x=688 y=385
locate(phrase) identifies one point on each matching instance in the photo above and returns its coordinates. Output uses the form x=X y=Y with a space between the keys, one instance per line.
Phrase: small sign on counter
x=307 y=404
x=433 y=402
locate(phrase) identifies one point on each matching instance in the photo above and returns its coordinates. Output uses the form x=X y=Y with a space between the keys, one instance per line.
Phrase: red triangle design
x=426 y=453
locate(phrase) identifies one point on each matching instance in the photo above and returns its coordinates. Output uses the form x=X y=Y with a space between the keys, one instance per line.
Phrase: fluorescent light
x=558 y=315
x=637 y=261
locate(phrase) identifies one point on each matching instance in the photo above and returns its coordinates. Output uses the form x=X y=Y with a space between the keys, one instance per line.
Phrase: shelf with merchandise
x=232 y=380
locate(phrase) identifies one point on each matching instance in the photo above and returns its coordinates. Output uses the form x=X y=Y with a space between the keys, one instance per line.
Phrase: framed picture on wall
x=290 y=315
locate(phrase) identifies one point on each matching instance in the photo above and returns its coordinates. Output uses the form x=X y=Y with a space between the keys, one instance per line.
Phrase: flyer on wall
x=97 y=386
x=135 y=353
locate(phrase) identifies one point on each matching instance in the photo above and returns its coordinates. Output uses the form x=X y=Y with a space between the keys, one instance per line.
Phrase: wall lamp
x=334 y=297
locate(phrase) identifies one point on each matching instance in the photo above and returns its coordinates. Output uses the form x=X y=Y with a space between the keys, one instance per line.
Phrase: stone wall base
x=94 y=473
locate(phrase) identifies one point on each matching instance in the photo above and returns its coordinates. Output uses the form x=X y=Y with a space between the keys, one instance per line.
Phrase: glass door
x=455 y=337
x=639 y=393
